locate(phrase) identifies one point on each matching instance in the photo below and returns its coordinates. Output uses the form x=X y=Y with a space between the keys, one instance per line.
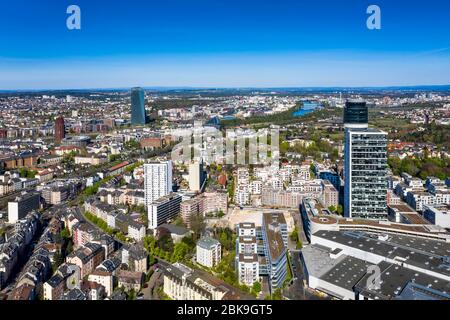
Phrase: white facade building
x=209 y=252
x=157 y=180
x=438 y=215
x=196 y=176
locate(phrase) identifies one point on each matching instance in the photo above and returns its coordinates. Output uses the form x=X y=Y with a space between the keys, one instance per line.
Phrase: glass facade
x=355 y=113
x=366 y=174
x=138 y=115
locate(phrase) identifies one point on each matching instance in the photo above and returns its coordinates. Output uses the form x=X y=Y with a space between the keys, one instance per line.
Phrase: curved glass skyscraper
x=138 y=115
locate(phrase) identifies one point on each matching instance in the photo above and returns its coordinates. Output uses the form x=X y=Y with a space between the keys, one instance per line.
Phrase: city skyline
x=228 y=151
x=245 y=45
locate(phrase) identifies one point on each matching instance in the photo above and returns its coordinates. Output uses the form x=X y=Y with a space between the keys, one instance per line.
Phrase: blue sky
x=223 y=43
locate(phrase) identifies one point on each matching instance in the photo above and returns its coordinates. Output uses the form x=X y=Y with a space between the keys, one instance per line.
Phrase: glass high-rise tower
x=138 y=115
x=356 y=114
x=365 y=169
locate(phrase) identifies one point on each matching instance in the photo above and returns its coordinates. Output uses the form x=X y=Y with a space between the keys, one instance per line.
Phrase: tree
x=114 y=157
x=26 y=173
x=179 y=222
x=165 y=243
x=332 y=208
x=198 y=225
x=311 y=170
x=189 y=241
x=151 y=259
x=132 y=145
x=69 y=247
x=131 y=295
x=57 y=260
x=167 y=255
x=294 y=235
x=149 y=243
x=340 y=210
x=256 y=288
x=180 y=251
x=277 y=295
x=220 y=214
x=65 y=233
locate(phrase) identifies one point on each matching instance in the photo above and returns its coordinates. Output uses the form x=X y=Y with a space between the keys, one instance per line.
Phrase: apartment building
x=163 y=210
x=87 y=258
x=208 y=252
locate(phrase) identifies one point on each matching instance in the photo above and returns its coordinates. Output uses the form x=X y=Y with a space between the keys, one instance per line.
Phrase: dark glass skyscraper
x=138 y=115
x=356 y=114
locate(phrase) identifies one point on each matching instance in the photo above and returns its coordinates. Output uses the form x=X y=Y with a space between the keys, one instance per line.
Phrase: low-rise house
x=103 y=278
x=136 y=257
x=54 y=288
x=23 y=292
x=136 y=230
x=74 y=294
x=93 y=290
x=130 y=280
x=177 y=233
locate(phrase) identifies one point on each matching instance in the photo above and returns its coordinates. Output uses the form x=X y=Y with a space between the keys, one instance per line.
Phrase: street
x=156 y=280
x=298 y=290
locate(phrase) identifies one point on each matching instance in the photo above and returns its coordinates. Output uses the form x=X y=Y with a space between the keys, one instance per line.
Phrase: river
x=308 y=106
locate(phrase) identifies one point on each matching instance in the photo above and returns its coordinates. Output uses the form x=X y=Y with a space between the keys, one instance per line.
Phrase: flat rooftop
x=396 y=279
x=389 y=226
x=317 y=259
x=346 y=273
x=422 y=253
x=274 y=237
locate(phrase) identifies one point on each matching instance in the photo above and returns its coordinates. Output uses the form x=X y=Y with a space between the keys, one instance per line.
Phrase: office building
x=365 y=192
x=157 y=180
x=163 y=210
x=365 y=170
x=138 y=115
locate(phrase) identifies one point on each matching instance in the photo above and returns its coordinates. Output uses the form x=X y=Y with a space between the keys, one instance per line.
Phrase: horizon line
x=162 y=88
